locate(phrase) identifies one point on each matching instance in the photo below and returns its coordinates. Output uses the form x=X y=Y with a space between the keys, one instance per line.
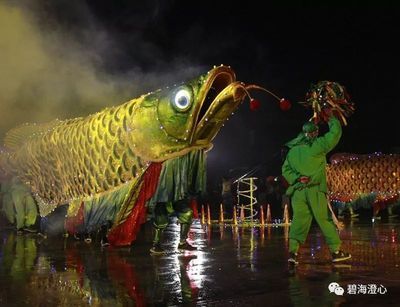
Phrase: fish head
x=190 y=115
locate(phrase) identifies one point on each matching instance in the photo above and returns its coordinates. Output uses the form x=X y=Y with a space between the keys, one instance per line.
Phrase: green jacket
x=307 y=157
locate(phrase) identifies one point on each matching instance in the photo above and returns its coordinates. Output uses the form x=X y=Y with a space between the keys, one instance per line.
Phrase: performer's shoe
x=157 y=250
x=30 y=229
x=185 y=246
x=104 y=242
x=20 y=231
x=354 y=215
x=340 y=256
x=393 y=215
x=88 y=239
x=292 y=260
x=42 y=235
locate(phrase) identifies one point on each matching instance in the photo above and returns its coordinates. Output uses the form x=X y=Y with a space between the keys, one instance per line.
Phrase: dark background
x=281 y=48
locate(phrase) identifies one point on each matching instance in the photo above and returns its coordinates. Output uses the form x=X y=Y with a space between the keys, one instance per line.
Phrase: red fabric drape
x=126 y=233
x=72 y=223
x=193 y=205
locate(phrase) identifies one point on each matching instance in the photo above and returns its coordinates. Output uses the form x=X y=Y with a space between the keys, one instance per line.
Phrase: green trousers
x=25 y=208
x=306 y=204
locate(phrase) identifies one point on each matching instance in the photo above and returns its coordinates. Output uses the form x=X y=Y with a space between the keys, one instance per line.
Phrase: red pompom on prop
x=254 y=104
x=285 y=104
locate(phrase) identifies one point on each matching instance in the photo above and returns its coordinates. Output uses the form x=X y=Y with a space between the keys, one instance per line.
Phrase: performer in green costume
x=19 y=205
x=25 y=207
x=304 y=170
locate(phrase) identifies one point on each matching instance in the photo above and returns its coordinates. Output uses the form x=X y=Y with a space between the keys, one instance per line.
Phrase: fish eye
x=182 y=100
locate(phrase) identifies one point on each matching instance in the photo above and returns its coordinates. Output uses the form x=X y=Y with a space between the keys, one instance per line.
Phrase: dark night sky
x=280 y=48
x=284 y=50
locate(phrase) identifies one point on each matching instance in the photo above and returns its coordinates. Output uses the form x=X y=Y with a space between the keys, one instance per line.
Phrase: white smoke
x=48 y=72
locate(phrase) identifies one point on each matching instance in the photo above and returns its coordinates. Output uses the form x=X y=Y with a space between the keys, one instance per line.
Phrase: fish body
x=88 y=160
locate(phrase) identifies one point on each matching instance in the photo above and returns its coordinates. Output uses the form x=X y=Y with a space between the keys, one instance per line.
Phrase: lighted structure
x=246 y=198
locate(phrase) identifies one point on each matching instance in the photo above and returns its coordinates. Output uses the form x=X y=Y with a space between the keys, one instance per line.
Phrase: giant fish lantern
x=106 y=165
x=364 y=180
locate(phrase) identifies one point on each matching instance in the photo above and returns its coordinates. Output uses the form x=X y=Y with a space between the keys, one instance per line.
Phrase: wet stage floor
x=232 y=267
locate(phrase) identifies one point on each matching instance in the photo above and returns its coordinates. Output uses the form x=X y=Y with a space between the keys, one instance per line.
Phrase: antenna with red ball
x=284 y=104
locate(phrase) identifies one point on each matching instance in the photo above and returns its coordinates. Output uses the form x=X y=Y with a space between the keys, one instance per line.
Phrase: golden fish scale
x=349 y=179
x=79 y=158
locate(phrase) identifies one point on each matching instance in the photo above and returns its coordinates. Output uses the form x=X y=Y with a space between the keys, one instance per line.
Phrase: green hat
x=309 y=127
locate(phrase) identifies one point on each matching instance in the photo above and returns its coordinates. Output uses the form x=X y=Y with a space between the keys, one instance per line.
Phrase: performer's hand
x=304 y=179
x=330 y=112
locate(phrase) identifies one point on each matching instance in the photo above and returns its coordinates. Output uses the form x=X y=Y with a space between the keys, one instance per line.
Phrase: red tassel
x=125 y=233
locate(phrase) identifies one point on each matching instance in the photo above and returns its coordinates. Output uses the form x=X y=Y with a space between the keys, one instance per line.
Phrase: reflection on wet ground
x=233 y=266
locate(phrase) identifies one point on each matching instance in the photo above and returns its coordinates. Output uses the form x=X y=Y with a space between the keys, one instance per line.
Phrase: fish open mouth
x=221 y=96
